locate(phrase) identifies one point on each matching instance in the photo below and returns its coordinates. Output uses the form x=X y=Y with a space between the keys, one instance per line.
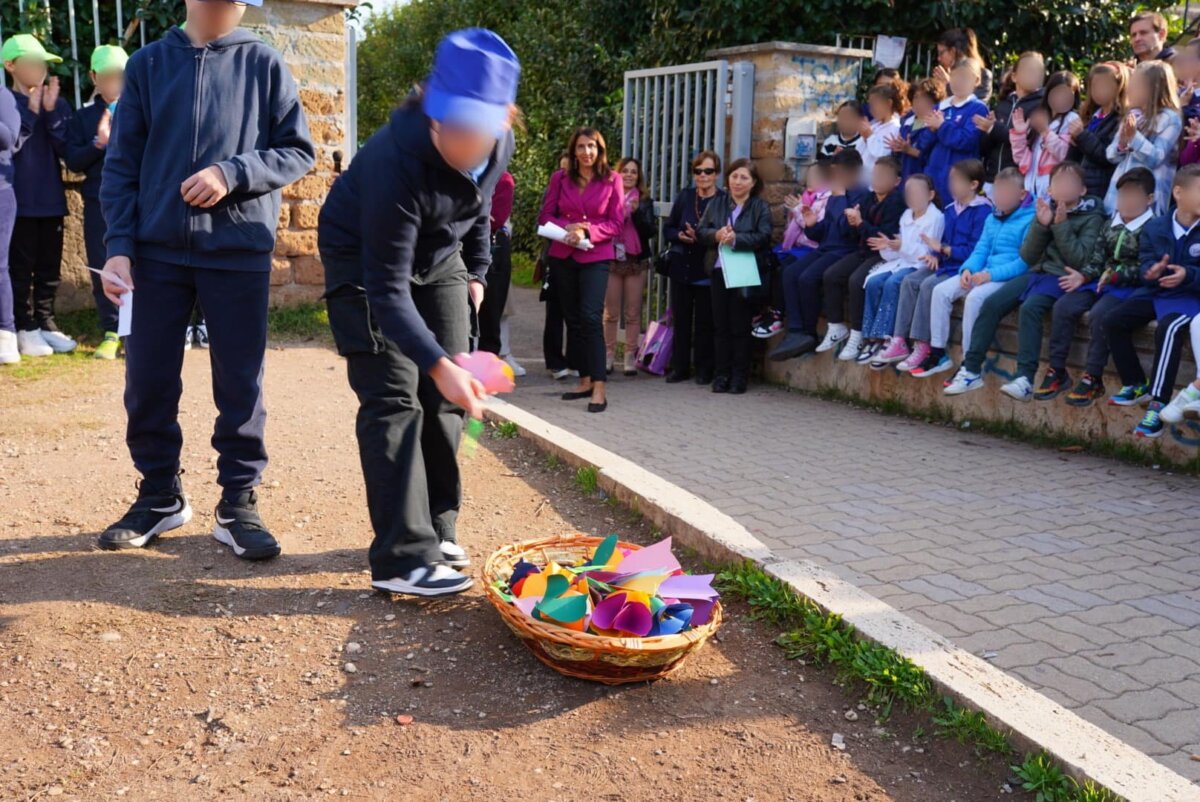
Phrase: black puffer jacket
x=994 y=147
x=1089 y=150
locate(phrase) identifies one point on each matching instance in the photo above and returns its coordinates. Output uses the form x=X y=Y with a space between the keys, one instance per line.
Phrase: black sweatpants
x=731 y=330
x=35 y=264
x=236 y=301
x=495 y=296
x=843 y=282
x=93 y=245
x=1169 y=339
x=408 y=434
x=692 y=343
x=1067 y=311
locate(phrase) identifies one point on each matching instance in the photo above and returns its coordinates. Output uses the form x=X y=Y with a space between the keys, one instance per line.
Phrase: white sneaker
x=853 y=345
x=61 y=343
x=454 y=555
x=1019 y=388
x=10 y=352
x=202 y=335
x=31 y=343
x=1185 y=401
x=437 y=580
x=188 y=336
x=834 y=335
x=517 y=369
x=964 y=382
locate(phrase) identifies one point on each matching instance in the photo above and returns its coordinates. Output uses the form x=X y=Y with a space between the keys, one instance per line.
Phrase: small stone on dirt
x=404 y=720
x=838 y=742
x=353 y=648
x=838 y=780
x=851 y=715
x=108 y=637
x=350 y=668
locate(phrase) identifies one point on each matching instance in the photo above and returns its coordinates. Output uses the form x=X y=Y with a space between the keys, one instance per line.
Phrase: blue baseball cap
x=473 y=82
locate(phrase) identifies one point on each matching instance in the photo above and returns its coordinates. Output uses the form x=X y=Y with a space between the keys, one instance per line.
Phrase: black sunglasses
x=704 y=171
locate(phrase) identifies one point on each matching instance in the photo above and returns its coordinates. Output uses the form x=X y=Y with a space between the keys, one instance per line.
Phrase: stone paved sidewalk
x=1079 y=575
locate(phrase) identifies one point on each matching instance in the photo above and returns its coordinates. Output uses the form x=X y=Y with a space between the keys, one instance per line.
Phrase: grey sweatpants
x=916 y=299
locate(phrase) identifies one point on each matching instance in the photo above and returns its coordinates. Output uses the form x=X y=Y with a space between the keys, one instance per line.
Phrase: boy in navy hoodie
x=209 y=129
x=835 y=239
x=87 y=140
x=35 y=254
x=1169 y=248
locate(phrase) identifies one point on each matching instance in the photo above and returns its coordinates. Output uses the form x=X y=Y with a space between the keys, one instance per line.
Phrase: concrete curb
x=1036 y=722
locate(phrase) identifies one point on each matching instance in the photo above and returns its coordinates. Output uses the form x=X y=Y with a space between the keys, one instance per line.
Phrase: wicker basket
x=582 y=654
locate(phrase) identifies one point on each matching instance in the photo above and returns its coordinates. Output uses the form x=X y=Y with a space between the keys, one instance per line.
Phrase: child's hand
x=35 y=99
x=929 y=260
x=1157 y=268
x=1193 y=129
x=985 y=124
x=117 y=271
x=50 y=94
x=810 y=217
x=934 y=120
x=878 y=243
x=205 y=188
x=1173 y=277
x=940 y=75
x=458 y=387
x=981 y=278
x=897 y=144
x=1128 y=129
x=1019 y=123
x=964 y=280
x=104 y=129
x=931 y=243
x=1072 y=281
x=865 y=130
x=1044 y=214
x=1074 y=127
x=854 y=216
x=1060 y=213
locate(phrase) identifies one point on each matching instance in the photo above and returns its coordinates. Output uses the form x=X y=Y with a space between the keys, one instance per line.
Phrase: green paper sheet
x=740 y=268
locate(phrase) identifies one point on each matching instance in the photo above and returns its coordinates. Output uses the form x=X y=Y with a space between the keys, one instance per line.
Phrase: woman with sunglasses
x=739 y=221
x=588 y=200
x=691 y=290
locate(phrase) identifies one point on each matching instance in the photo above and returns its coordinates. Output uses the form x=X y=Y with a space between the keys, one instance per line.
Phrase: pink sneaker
x=897 y=350
x=919 y=354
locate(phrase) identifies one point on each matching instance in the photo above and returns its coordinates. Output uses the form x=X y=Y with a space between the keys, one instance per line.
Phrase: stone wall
x=311 y=36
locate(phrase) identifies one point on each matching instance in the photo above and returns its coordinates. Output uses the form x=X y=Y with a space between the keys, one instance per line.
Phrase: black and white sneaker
x=426 y=580
x=239 y=527
x=152 y=514
x=454 y=555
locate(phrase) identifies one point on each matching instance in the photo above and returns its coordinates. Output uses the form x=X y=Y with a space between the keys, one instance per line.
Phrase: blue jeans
x=883 y=298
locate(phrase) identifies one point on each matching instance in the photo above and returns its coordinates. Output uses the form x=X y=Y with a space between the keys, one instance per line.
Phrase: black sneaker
x=152 y=514
x=426 y=580
x=239 y=527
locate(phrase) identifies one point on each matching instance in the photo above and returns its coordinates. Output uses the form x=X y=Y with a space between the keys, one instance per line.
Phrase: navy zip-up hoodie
x=398 y=211
x=231 y=103
x=82 y=155
x=832 y=233
x=37 y=175
x=1157 y=240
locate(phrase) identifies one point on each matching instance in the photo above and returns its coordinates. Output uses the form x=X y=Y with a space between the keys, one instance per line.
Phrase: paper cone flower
x=493 y=373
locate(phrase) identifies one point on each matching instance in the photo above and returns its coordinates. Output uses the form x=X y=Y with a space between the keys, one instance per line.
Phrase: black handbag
x=662 y=262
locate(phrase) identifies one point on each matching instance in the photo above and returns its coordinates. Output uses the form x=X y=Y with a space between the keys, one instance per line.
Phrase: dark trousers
x=8 y=217
x=495 y=296
x=1169 y=337
x=93 y=244
x=991 y=312
x=1067 y=311
x=35 y=262
x=692 y=343
x=731 y=330
x=802 y=280
x=1029 y=333
x=237 y=304
x=843 y=282
x=552 y=330
x=408 y=435
x=581 y=288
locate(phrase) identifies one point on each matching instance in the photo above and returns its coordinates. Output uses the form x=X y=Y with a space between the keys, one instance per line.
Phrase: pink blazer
x=601 y=203
x=629 y=233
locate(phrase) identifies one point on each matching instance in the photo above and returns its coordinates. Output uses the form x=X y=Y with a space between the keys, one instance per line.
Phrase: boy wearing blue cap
x=87 y=140
x=405 y=237
x=208 y=130
x=35 y=253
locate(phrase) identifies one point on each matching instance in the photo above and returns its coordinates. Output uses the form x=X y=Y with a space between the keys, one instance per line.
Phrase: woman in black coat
x=740 y=220
x=691 y=288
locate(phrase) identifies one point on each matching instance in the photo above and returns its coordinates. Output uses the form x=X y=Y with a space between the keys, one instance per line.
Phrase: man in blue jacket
x=209 y=129
x=405 y=237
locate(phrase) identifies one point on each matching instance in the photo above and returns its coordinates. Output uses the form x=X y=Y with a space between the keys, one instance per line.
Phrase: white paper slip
x=553 y=231
x=125 y=310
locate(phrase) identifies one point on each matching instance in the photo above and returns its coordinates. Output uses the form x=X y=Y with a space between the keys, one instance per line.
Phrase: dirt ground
x=182 y=673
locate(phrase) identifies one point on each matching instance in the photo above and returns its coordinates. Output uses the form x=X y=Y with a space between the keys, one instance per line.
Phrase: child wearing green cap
x=87 y=141
x=35 y=254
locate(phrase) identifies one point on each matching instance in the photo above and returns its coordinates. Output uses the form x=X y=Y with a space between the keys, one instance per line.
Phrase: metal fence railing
x=919 y=57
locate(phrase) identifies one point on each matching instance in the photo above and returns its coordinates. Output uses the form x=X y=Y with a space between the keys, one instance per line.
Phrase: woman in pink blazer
x=588 y=200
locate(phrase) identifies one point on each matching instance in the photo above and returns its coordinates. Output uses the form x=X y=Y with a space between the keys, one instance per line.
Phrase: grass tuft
x=505 y=430
x=587 y=479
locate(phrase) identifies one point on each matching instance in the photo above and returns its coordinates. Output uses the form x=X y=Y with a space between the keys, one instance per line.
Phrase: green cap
x=109 y=58
x=24 y=44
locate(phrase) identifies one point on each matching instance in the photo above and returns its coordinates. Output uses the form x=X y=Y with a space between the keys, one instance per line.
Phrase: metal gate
x=673 y=113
